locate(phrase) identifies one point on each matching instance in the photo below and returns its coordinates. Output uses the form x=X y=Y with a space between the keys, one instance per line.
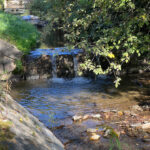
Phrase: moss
x=19 y=67
x=5 y=133
x=1 y=4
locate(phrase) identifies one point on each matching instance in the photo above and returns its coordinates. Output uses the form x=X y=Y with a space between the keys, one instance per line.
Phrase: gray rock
x=146 y=140
x=127 y=112
x=8 y=55
x=76 y=118
x=114 y=110
x=30 y=133
x=95 y=116
x=91 y=130
x=137 y=108
x=105 y=110
x=136 y=125
x=107 y=133
x=146 y=126
x=95 y=137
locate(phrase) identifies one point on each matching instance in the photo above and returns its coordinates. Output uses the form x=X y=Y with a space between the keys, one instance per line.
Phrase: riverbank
x=18 y=32
x=19 y=130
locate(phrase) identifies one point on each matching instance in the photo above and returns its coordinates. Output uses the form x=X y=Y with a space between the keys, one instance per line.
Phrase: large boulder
x=25 y=131
x=8 y=55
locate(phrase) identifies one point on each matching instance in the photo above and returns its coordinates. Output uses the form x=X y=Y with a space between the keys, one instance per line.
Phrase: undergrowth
x=18 y=32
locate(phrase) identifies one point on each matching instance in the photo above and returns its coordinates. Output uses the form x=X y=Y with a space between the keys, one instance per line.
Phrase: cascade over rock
x=47 y=63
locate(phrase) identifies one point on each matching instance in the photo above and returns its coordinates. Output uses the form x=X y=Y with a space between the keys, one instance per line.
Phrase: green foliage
x=115 y=30
x=18 y=32
x=1 y=4
x=19 y=67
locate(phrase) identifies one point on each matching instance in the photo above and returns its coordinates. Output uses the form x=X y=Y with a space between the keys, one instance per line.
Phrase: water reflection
x=58 y=99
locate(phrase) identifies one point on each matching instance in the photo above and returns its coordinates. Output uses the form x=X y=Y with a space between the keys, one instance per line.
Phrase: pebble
x=127 y=112
x=137 y=108
x=95 y=137
x=133 y=114
x=85 y=117
x=146 y=140
x=105 y=110
x=96 y=116
x=107 y=133
x=146 y=126
x=91 y=130
x=76 y=118
x=146 y=108
x=136 y=125
x=120 y=113
x=114 y=110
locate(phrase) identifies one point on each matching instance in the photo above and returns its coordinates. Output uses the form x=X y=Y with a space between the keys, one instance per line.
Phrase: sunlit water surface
x=54 y=101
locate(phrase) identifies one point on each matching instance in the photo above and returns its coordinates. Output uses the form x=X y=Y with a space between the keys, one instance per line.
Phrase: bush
x=18 y=32
x=1 y=4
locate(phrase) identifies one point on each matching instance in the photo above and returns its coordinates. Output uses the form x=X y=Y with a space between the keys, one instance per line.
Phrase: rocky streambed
x=125 y=130
x=91 y=115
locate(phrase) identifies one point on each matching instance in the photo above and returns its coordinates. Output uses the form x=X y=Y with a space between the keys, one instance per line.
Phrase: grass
x=18 y=32
x=1 y=4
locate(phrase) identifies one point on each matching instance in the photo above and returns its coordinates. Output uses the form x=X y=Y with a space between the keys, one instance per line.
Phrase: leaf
x=21 y=120
x=111 y=55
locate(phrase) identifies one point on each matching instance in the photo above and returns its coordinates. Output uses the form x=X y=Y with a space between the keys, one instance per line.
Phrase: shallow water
x=58 y=98
x=55 y=101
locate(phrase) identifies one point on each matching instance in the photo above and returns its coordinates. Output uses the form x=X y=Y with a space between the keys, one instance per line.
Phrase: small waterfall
x=54 y=66
x=75 y=61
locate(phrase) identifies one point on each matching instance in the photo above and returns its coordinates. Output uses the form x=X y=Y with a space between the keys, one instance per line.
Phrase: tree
x=113 y=30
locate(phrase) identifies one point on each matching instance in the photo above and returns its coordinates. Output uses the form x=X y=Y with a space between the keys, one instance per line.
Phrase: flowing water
x=56 y=100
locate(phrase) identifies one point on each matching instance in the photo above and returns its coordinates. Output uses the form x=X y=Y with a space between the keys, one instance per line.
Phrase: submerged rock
x=95 y=137
x=76 y=118
x=96 y=116
x=145 y=126
x=85 y=117
x=137 y=108
x=91 y=130
x=107 y=133
x=136 y=125
x=120 y=113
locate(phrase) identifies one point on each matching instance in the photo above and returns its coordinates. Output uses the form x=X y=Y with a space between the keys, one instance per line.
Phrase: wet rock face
x=57 y=62
x=36 y=68
x=65 y=66
x=43 y=66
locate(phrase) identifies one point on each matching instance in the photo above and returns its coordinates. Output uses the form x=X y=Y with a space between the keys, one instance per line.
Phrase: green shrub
x=1 y=4
x=18 y=32
x=19 y=67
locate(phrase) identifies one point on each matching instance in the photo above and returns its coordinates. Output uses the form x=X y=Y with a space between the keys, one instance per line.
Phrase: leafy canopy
x=113 y=29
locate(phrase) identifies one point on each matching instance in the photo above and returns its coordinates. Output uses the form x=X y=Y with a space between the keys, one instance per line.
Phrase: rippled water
x=55 y=100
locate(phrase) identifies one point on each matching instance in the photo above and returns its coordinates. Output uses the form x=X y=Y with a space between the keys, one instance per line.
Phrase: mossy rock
x=5 y=133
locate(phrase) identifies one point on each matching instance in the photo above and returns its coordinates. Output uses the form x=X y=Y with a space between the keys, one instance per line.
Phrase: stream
x=55 y=101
